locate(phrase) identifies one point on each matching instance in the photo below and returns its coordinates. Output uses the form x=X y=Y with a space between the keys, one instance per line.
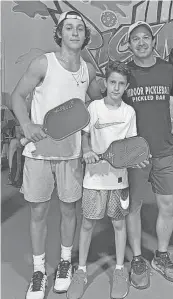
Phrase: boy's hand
x=33 y=132
x=90 y=157
x=144 y=163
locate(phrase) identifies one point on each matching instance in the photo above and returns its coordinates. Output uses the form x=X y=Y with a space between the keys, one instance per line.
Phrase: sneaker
x=37 y=286
x=77 y=285
x=163 y=265
x=140 y=273
x=63 y=277
x=120 y=287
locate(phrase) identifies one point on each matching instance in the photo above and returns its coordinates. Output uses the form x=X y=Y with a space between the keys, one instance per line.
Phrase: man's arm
x=93 y=91
x=33 y=77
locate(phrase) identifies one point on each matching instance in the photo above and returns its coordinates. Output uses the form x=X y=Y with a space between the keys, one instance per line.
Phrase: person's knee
x=165 y=205
x=135 y=210
x=118 y=224
x=88 y=224
x=68 y=210
x=39 y=211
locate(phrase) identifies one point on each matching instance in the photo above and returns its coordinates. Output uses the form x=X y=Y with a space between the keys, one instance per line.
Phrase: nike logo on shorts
x=124 y=198
x=99 y=126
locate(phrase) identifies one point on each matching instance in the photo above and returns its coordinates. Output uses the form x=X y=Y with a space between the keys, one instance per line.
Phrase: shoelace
x=165 y=257
x=63 y=269
x=37 y=281
x=139 y=266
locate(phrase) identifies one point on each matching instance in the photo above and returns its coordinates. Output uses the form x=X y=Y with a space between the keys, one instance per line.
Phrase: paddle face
x=61 y=124
x=127 y=153
x=66 y=119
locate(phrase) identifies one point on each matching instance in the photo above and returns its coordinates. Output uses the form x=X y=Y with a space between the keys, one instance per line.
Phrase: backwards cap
x=70 y=15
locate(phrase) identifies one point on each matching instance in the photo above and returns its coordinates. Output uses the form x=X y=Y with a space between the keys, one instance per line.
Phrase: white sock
x=82 y=268
x=119 y=267
x=66 y=253
x=39 y=262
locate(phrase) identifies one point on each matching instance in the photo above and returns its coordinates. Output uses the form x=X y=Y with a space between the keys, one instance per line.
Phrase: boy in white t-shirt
x=105 y=188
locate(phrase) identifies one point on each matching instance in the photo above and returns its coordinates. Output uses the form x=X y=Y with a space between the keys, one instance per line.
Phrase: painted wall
x=27 y=31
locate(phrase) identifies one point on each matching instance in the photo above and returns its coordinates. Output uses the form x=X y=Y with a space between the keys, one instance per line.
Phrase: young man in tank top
x=54 y=78
x=150 y=93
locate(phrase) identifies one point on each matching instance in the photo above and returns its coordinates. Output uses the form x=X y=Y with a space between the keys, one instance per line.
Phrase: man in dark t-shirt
x=149 y=92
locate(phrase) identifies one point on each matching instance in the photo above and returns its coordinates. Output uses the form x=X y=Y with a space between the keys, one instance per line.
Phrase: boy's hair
x=59 y=27
x=118 y=67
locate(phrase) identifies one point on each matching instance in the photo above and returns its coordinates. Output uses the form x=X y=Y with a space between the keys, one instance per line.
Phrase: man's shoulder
x=39 y=62
x=164 y=66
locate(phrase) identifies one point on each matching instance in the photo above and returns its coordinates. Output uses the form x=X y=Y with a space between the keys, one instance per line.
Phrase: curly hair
x=58 y=33
x=118 y=67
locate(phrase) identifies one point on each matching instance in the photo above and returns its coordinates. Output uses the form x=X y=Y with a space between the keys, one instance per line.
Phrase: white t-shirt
x=107 y=125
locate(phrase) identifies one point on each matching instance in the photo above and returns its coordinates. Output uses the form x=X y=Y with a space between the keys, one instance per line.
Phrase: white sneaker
x=63 y=277
x=37 y=286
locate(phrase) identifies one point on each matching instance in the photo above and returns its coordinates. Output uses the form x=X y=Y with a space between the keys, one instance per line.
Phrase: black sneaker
x=163 y=265
x=140 y=273
x=37 y=286
x=63 y=277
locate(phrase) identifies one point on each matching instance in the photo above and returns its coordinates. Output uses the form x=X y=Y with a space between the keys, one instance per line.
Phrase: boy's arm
x=132 y=131
x=33 y=77
x=88 y=154
x=93 y=91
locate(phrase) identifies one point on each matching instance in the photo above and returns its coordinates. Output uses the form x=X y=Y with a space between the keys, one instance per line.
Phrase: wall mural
x=109 y=22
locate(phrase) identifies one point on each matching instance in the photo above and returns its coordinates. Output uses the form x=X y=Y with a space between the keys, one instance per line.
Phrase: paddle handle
x=24 y=141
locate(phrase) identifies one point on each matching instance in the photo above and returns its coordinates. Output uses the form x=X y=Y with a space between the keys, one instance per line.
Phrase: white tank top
x=59 y=86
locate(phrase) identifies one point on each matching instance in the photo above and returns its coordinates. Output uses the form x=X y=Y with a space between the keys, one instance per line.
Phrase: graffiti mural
x=108 y=21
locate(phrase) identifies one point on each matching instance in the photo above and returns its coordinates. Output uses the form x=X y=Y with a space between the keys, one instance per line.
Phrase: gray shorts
x=96 y=202
x=41 y=176
x=159 y=174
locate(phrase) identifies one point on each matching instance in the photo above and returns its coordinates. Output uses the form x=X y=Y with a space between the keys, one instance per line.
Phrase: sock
x=119 y=267
x=159 y=253
x=66 y=253
x=39 y=263
x=137 y=256
x=82 y=268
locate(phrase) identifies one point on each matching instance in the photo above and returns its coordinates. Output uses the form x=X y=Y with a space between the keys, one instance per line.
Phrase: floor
x=16 y=255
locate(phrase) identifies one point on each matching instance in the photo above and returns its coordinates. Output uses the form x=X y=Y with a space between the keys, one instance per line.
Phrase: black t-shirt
x=149 y=94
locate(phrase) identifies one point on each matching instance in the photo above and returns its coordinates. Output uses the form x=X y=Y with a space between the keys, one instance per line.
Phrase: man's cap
x=70 y=15
x=137 y=24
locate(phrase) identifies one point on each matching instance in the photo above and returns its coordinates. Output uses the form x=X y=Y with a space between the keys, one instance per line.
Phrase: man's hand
x=144 y=163
x=90 y=157
x=33 y=132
